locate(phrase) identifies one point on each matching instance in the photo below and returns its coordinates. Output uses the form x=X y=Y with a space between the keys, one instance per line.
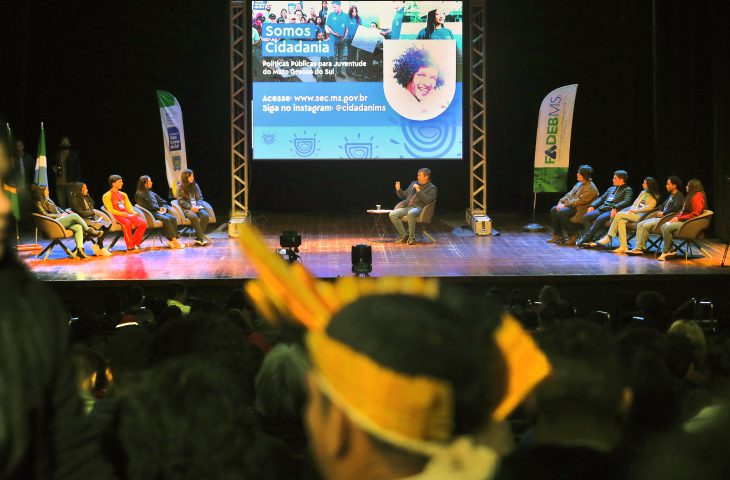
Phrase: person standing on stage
x=158 y=207
x=418 y=194
x=191 y=201
x=117 y=204
x=67 y=168
x=26 y=162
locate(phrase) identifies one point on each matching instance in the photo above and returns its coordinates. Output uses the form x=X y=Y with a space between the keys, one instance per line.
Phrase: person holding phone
x=419 y=193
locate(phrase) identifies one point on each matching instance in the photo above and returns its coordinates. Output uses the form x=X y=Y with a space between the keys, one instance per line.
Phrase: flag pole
x=533 y=227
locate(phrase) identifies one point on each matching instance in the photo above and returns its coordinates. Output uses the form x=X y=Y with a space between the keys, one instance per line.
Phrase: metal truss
x=239 y=41
x=478 y=113
x=240 y=156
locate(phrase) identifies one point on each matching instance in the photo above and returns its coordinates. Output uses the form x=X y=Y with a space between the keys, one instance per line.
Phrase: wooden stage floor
x=326 y=242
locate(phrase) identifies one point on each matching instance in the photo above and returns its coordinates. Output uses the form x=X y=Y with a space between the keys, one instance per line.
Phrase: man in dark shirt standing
x=67 y=167
x=605 y=207
x=418 y=194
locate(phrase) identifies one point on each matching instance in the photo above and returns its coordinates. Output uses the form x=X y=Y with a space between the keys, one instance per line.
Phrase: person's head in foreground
x=4 y=200
x=393 y=382
x=423 y=176
x=416 y=72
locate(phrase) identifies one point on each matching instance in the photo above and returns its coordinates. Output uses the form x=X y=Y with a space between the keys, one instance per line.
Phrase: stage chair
x=154 y=226
x=184 y=225
x=98 y=214
x=183 y=221
x=631 y=226
x=690 y=234
x=54 y=231
x=116 y=227
x=654 y=240
x=424 y=219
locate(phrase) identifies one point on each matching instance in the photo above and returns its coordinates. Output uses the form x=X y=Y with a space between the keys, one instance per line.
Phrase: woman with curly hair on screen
x=417 y=73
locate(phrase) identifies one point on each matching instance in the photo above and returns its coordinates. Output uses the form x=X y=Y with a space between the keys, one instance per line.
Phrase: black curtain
x=652 y=97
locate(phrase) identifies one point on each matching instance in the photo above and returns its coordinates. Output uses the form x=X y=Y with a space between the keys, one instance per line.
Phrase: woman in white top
x=645 y=202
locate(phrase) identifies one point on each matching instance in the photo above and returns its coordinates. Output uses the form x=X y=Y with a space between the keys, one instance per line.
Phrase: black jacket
x=186 y=195
x=48 y=208
x=673 y=203
x=420 y=199
x=83 y=205
x=150 y=200
x=615 y=197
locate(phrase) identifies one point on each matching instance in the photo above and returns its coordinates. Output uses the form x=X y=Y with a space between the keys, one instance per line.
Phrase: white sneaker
x=105 y=252
x=95 y=248
x=171 y=245
x=665 y=256
x=621 y=250
x=604 y=241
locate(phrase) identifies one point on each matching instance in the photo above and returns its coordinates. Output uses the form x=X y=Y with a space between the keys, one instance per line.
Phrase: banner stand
x=533 y=227
x=552 y=146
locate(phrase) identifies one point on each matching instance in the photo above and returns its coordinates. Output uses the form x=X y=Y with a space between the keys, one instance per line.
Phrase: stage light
x=290 y=239
x=290 y=242
x=362 y=259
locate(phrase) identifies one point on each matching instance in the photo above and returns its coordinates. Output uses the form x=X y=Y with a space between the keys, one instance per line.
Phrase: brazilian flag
x=12 y=193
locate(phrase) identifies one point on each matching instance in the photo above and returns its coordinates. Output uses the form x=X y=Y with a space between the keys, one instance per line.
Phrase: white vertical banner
x=173 y=134
x=552 y=146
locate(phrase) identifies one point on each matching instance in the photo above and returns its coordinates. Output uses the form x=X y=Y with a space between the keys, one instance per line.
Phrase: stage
x=512 y=256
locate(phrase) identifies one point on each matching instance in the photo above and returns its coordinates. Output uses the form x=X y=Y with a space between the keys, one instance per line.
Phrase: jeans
x=339 y=55
x=668 y=231
x=199 y=221
x=619 y=225
x=169 y=224
x=644 y=229
x=351 y=56
x=77 y=225
x=593 y=223
x=560 y=220
x=396 y=216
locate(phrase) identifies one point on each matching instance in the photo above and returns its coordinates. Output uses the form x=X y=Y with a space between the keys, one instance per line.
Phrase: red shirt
x=118 y=201
x=696 y=207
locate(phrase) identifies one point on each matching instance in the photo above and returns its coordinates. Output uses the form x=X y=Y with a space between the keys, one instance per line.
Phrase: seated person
x=694 y=204
x=81 y=203
x=44 y=205
x=645 y=202
x=117 y=204
x=418 y=194
x=358 y=431
x=157 y=206
x=606 y=207
x=574 y=202
x=190 y=199
x=672 y=205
